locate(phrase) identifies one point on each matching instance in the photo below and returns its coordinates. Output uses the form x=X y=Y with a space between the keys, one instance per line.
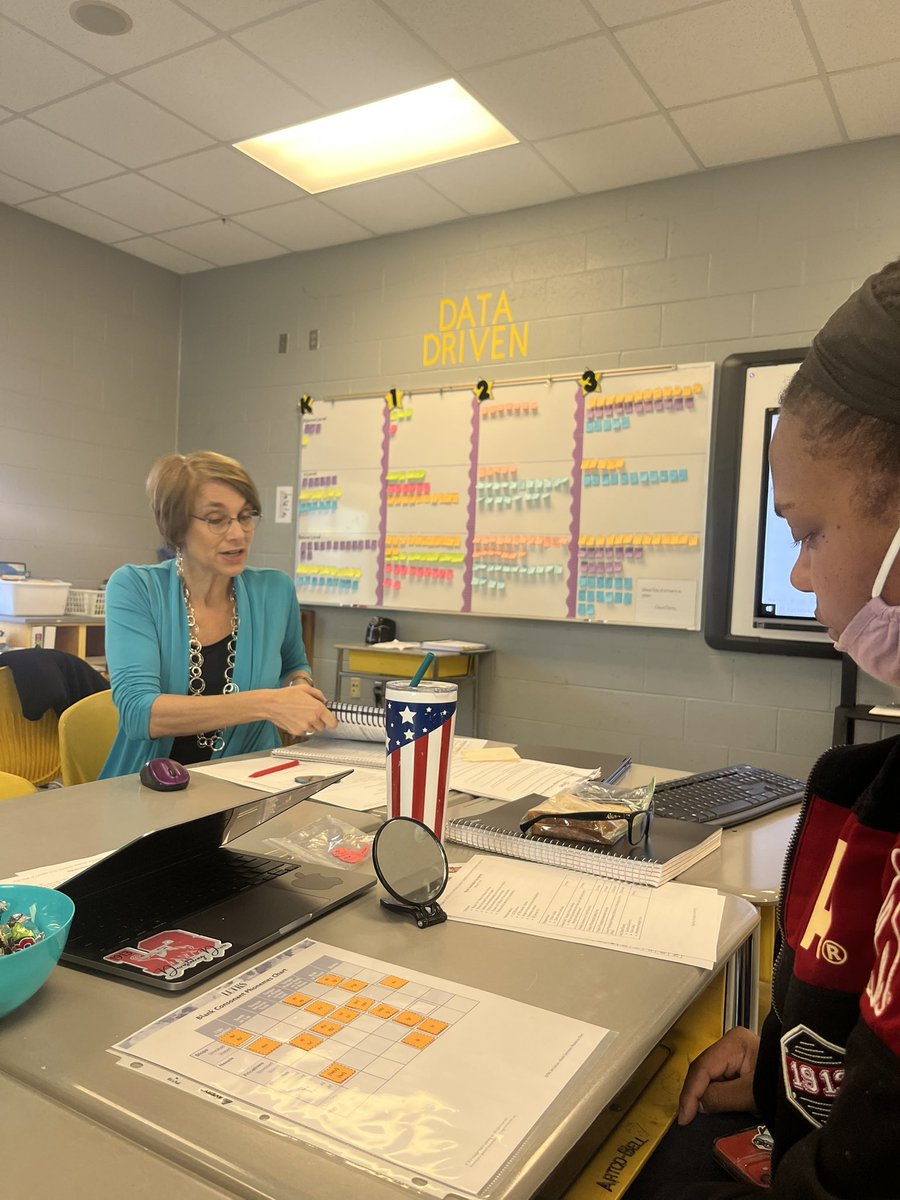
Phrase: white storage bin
x=33 y=597
x=85 y=602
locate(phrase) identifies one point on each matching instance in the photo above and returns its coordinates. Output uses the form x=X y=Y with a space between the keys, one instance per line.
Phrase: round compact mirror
x=412 y=866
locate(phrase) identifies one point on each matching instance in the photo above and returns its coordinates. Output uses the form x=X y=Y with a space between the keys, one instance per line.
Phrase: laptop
x=178 y=905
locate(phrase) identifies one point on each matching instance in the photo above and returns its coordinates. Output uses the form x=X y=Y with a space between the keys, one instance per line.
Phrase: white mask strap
x=885 y=569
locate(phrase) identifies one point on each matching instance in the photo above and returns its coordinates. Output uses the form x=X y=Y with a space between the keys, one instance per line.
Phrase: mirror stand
x=424 y=914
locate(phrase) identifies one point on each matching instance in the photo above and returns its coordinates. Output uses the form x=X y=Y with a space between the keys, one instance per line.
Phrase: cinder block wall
x=89 y=345
x=742 y=258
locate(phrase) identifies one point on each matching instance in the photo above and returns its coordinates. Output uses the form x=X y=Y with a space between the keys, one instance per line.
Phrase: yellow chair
x=27 y=748
x=14 y=785
x=87 y=731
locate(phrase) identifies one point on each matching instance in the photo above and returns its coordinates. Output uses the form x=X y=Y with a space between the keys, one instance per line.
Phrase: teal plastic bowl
x=23 y=973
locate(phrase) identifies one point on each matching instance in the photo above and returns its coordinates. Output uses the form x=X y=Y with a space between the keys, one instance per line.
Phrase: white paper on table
x=441 y=1112
x=513 y=780
x=54 y=874
x=677 y=921
x=354 y=754
x=362 y=790
x=492 y=754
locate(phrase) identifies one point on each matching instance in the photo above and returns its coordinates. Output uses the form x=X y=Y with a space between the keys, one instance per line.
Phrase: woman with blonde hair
x=205 y=653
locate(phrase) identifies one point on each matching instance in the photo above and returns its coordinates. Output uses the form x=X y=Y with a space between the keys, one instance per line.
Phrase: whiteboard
x=542 y=500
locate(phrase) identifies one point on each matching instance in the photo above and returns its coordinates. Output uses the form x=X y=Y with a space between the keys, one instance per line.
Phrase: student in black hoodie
x=824 y=1075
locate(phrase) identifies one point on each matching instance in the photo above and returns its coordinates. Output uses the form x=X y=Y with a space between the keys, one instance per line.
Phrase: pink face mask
x=872 y=639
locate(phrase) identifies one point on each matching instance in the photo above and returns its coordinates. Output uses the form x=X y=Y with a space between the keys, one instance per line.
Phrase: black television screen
x=749 y=601
x=779 y=605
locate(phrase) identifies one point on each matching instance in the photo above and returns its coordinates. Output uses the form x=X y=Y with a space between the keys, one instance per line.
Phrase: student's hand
x=301 y=709
x=721 y=1078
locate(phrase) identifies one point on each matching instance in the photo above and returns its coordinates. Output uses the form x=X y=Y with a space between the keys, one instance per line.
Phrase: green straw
x=423 y=667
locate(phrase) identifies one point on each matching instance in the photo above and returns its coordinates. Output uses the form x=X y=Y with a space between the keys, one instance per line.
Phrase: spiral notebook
x=671 y=848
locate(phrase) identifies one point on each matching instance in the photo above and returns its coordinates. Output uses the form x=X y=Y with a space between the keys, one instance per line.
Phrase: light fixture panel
x=430 y=125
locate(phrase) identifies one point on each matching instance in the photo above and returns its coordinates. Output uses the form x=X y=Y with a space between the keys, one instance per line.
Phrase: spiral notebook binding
x=553 y=852
x=358 y=714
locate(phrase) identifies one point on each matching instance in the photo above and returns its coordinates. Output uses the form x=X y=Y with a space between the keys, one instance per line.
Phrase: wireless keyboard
x=727 y=796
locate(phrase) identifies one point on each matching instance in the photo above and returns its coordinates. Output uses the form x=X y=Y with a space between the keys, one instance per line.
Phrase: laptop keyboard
x=726 y=796
x=169 y=895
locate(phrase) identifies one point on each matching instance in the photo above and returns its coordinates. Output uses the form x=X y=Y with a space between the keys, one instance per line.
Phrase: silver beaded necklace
x=196 y=683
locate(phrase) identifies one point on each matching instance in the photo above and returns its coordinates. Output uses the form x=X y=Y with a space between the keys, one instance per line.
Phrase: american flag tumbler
x=419 y=724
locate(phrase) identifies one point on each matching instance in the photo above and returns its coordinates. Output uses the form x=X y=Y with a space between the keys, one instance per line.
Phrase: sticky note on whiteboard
x=666 y=602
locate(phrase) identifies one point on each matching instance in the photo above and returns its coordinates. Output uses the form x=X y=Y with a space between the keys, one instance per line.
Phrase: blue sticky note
x=607 y=425
x=682 y=475
x=618 y=597
x=628 y=596
x=629 y=584
x=614 y=479
x=618 y=585
x=654 y=477
x=581 y=610
x=634 y=476
x=590 y=610
x=645 y=477
x=609 y=597
x=604 y=479
x=664 y=477
x=600 y=597
x=626 y=422
x=617 y=423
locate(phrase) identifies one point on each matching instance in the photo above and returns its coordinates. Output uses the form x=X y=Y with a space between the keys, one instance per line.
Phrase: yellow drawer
x=403 y=666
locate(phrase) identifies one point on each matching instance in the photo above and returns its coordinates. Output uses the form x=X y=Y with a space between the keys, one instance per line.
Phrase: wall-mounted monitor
x=750 y=602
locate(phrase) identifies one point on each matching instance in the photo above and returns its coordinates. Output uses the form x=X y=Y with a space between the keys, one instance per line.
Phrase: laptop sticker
x=170 y=953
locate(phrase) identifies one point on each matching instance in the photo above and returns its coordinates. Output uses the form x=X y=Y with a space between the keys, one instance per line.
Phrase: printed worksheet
x=677 y=921
x=401 y=1072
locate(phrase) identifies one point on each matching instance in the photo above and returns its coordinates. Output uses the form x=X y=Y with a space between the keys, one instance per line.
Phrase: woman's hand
x=300 y=709
x=721 y=1078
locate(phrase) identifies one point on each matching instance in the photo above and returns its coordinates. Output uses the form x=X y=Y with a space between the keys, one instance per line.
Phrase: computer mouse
x=164 y=775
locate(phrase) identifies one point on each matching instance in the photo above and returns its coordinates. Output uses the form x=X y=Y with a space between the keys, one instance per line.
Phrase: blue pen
x=620 y=770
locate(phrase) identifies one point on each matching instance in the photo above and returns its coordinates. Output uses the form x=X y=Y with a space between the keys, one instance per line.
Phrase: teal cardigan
x=147 y=654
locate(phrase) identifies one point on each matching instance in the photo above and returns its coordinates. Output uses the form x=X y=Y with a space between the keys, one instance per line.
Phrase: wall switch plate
x=284 y=505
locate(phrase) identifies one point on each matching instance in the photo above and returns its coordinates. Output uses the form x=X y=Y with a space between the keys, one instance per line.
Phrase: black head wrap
x=855 y=356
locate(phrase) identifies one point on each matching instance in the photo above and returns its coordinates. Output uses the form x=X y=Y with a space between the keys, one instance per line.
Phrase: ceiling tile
x=720 y=50
x=470 y=32
x=164 y=256
x=160 y=27
x=223 y=90
x=63 y=212
x=854 y=35
x=512 y=177
x=343 y=52
x=389 y=205
x=140 y=203
x=764 y=124
x=222 y=243
x=13 y=191
x=224 y=180
x=31 y=72
x=303 y=225
x=525 y=94
x=47 y=160
x=617 y=155
x=867 y=100
x=231 y=14
x=626 y=12
x=114 y=121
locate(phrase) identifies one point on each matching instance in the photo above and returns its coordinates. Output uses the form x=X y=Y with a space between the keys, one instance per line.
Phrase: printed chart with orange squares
x=332 y=1026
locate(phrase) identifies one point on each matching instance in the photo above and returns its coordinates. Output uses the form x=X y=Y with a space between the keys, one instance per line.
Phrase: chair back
x=14 y=785
x=27 y=748
x=87 y=730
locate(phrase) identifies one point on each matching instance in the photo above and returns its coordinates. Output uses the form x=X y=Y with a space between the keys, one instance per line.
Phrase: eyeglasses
x=638 y=820
x=248 y=521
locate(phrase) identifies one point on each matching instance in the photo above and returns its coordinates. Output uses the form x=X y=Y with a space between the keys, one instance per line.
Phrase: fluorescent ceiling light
x=417 y=129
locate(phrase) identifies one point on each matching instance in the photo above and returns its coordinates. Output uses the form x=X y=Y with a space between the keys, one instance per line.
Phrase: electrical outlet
x=284 y=505
x=314 y=339
x=355 y=688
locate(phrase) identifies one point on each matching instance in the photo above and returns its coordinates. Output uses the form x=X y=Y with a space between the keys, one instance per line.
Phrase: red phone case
x=745 y=1160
